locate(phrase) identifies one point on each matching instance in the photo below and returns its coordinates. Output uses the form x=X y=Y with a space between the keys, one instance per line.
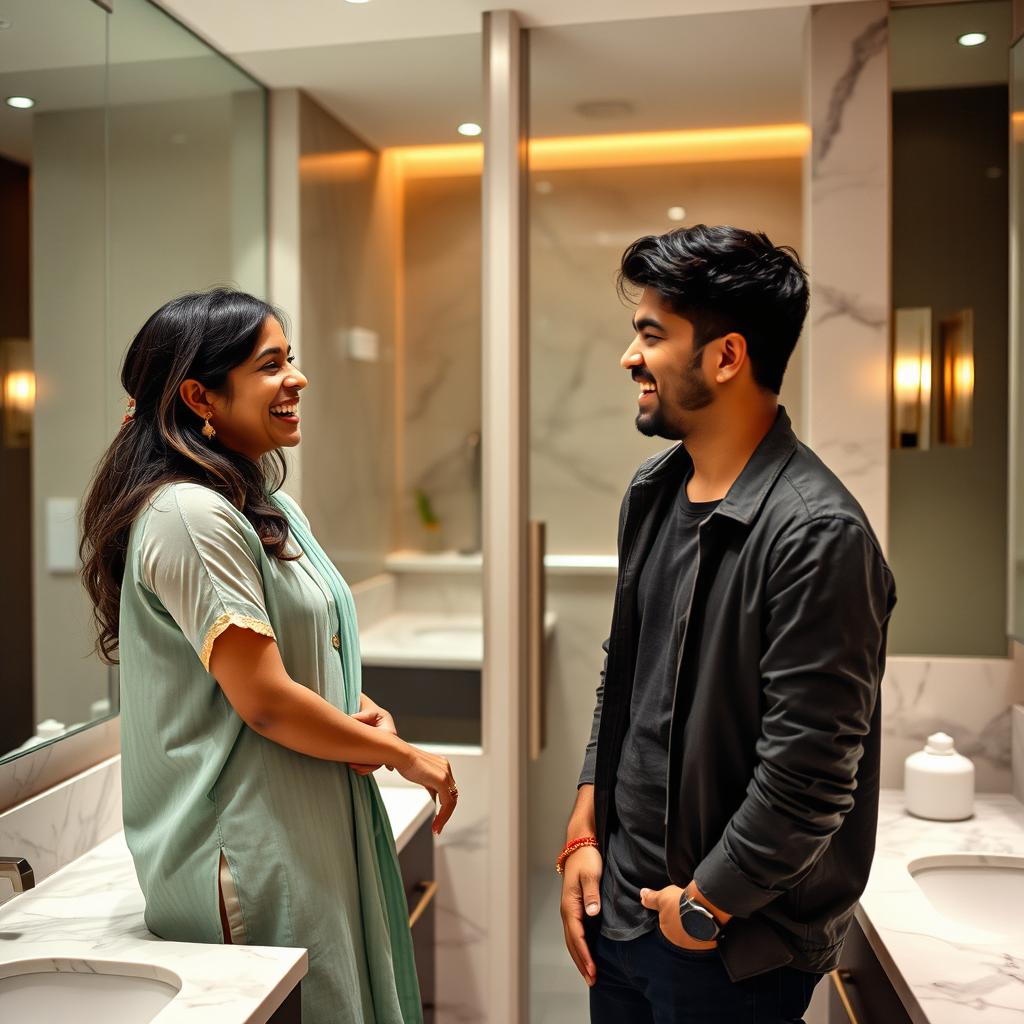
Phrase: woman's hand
x=434 y=774
x=373 y=715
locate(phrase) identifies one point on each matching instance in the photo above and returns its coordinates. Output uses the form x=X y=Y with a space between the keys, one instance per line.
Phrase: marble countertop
x=944 y=973
x=91 y=911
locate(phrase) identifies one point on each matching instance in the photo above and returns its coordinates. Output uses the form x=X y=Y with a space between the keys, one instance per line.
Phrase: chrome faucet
x=18 y=872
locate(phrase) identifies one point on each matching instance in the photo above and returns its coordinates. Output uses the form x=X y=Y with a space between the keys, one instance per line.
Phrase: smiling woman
x=248 y=746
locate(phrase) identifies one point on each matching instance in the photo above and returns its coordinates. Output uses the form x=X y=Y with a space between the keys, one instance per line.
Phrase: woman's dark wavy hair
x=725 y=279
x=200 y=336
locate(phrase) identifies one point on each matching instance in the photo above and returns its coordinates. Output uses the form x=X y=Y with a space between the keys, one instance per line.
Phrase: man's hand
x=581 y=894
x=371 y=714
x=666 y=903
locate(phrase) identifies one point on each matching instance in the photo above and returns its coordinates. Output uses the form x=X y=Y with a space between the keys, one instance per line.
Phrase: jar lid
x=939 y=743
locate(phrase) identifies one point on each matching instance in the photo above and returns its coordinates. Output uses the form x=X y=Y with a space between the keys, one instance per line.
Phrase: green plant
x=425 y=509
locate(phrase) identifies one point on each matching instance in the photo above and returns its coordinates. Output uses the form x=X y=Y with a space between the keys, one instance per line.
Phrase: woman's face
x=259 y=410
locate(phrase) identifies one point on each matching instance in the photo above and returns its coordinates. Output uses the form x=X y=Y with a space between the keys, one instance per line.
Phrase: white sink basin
x=86 y=992
x=978 y=890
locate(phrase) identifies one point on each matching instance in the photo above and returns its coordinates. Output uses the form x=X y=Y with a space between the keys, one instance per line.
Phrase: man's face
x=669 y=372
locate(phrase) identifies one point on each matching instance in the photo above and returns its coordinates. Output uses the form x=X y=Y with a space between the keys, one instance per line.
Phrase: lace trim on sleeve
x=222 y=622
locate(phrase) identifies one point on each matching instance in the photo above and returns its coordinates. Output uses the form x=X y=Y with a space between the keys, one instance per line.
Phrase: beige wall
x=347 y=251
x=112 y=240
x=74 y=382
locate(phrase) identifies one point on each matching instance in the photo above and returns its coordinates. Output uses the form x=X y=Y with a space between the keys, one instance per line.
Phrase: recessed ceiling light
x=676 y=213
x=470 y=128
x=357 y=1
x=972 y=39
x=20 y=102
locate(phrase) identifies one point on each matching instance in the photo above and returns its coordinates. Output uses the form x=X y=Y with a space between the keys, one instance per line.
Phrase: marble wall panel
x=60 y=824
x=969 y=698
x=584 y=445
x=441 y=383
x=847 y=249
x=462 y=930
x=584 y=448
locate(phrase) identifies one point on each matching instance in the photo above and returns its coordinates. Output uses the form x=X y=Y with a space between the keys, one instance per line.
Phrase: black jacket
x=774 y=743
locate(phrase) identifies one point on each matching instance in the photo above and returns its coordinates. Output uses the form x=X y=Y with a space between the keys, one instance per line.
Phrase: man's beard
x=694 y=394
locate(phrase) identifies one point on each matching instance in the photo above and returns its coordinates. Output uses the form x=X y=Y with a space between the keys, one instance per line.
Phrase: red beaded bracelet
x=571 y=848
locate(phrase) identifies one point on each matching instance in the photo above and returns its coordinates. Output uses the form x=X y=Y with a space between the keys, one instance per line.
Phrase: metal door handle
x=839 y=978
x=428 y=890
x=536 y=544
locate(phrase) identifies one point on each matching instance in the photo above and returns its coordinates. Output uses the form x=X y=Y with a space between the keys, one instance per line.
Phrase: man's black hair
x=725 y=279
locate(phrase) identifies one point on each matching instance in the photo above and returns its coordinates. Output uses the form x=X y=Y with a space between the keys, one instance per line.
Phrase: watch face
x=699 y=925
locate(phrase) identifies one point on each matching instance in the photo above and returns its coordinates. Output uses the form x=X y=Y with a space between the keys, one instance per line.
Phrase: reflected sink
x=444 y=637
x=983 y=891
x=86 y=992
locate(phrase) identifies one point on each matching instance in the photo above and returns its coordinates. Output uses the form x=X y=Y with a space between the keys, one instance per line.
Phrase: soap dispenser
x=938 y=782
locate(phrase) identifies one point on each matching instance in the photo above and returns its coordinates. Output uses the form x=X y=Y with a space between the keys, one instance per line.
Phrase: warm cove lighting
x=20 y=102
x=760 y=142
x=972 y=39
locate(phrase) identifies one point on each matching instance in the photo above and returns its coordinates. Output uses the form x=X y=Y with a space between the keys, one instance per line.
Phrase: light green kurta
x=302 y=847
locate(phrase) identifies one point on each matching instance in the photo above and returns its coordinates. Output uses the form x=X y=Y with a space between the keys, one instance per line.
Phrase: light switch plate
x=363 y=344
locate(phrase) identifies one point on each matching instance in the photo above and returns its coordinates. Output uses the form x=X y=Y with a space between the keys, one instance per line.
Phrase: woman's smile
x=288 y=411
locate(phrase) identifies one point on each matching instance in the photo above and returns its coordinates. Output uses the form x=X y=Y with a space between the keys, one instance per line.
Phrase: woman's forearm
x=303 y=721
x=249 y=669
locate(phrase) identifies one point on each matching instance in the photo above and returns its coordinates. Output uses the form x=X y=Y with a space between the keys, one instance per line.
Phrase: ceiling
x=406 y=72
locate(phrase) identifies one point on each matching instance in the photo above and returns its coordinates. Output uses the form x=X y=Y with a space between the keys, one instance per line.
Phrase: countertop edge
x=888 y=964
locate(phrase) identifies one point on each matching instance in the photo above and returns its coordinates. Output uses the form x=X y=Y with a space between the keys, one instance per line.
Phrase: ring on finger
x=453 y=790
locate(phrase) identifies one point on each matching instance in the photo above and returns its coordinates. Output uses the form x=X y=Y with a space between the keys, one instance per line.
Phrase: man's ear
x=732 y=355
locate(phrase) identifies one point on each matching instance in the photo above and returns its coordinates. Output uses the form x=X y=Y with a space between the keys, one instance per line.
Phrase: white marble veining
x=92 y=910
x=60 y=824
x=944 y=972
x=846 y=349
x=969 y=698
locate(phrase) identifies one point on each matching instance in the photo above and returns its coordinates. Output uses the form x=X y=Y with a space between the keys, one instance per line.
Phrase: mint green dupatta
x=385 y=913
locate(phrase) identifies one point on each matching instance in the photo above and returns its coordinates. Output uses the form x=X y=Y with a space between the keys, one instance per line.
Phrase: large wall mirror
x=132 y=168
x=951 y=191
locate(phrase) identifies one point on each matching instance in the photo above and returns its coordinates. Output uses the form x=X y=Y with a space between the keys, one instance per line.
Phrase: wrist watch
x=698 y=922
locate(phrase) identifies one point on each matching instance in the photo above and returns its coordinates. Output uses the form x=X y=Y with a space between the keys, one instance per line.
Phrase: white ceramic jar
x=938 y=782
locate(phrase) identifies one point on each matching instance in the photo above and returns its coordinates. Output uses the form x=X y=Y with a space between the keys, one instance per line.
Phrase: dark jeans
x=651 y=981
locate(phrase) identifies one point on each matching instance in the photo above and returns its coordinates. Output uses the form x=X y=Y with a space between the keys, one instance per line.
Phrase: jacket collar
x=748 y=493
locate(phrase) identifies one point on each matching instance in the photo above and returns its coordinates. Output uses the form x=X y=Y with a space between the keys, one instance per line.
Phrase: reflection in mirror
x=1017 y=348
x=948 y=490
x=136 y=173
x=52 y=189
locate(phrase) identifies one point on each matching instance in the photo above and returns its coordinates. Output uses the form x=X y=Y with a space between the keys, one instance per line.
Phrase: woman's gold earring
x=208 y=432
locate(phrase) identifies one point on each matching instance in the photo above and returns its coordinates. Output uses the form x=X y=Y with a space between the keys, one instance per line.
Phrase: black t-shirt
x=635 y=854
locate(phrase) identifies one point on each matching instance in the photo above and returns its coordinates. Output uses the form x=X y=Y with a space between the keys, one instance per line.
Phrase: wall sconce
x=956 y=399
x=18 y=394
x=912 y=379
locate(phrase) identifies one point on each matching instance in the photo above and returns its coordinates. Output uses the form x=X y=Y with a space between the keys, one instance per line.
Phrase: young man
x=725 y=818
